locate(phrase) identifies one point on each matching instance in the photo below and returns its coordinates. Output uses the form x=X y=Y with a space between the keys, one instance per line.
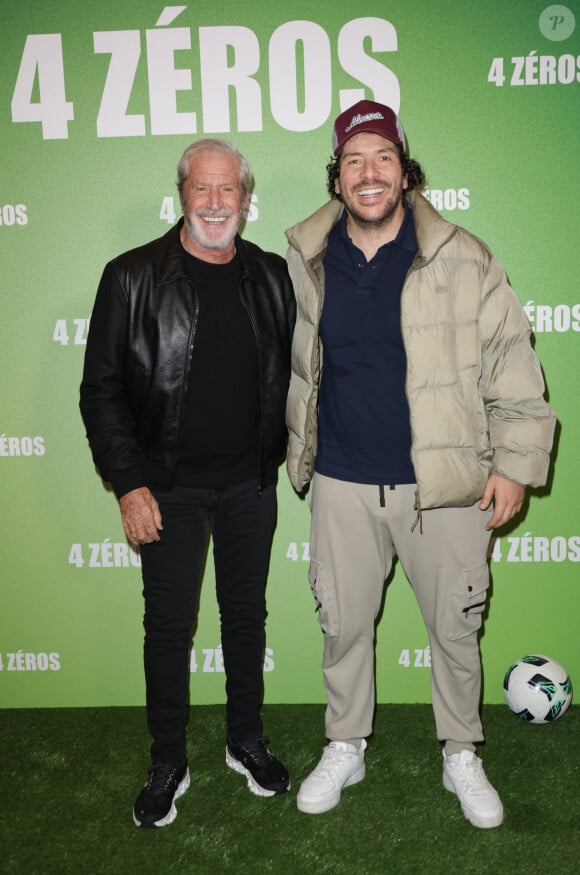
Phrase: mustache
x=205 y=213
x=368 y=183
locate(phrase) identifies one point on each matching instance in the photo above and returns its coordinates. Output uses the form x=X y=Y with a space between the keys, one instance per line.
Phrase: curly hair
x=411 y=169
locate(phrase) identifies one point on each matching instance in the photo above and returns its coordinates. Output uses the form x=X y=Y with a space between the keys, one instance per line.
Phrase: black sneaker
x=265 y=774
x=155 y=805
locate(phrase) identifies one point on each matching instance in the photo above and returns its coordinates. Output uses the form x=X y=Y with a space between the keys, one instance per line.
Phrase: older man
x=183 y=393
x=424 y=410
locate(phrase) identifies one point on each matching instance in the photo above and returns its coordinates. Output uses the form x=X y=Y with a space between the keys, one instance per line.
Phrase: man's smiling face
x=371 y=180
x=213 y=201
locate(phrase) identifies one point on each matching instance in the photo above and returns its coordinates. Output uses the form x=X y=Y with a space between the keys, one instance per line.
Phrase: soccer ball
x=537 y=689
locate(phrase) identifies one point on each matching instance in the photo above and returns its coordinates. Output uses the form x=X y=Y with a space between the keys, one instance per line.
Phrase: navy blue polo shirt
x=364 y=431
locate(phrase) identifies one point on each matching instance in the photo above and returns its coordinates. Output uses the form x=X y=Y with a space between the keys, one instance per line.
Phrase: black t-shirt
x=219 y=443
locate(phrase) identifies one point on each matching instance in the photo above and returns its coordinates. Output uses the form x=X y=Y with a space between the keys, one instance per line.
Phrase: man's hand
x=507 y=498
x=141 y=516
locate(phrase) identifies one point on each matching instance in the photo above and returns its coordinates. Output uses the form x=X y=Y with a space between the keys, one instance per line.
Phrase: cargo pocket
x=324 y=597
x=469 y=603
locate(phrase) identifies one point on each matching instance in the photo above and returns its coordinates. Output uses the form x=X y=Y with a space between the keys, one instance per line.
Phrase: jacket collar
x=309 y=237
x=432 y=230
x=170 y=264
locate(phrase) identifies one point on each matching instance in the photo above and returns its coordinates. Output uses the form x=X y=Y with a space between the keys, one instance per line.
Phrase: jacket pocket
x=469 y=603
x=324 y=597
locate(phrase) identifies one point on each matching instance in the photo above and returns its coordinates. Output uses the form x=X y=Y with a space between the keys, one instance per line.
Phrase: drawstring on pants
x=382 y=494
x=416 y=507
x=419 y=518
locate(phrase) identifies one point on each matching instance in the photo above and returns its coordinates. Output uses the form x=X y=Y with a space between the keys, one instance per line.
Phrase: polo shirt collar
x=406 y=237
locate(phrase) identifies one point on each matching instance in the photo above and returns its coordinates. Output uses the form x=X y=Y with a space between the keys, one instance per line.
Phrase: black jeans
x=241 y=522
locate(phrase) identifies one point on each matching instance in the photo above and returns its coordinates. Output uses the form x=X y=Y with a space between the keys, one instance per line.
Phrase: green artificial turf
x=70 y=777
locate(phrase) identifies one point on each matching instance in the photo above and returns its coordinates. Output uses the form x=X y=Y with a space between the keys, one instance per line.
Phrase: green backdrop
x=97 y=102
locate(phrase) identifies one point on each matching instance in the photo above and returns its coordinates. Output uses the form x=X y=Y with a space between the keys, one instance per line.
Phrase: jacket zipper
x=190 y=348
x=320 y=302
x=260 y=375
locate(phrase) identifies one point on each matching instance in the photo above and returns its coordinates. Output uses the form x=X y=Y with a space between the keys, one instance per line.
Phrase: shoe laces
x=257 y=749
x=334 y=756
x=470 y=773
x=161 y=776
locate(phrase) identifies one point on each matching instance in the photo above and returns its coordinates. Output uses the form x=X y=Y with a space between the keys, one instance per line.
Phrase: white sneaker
x=341 y=766
x=463 y=775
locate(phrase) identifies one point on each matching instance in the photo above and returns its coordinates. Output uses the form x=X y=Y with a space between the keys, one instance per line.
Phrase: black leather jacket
x=138 y=355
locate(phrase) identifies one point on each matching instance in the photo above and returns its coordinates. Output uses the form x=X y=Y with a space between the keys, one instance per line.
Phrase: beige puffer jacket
x=474 y=384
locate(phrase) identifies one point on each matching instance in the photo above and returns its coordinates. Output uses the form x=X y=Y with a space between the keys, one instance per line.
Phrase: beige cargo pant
x=352 y=546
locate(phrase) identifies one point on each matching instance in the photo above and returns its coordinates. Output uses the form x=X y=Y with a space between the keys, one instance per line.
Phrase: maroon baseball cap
x=367 y=117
